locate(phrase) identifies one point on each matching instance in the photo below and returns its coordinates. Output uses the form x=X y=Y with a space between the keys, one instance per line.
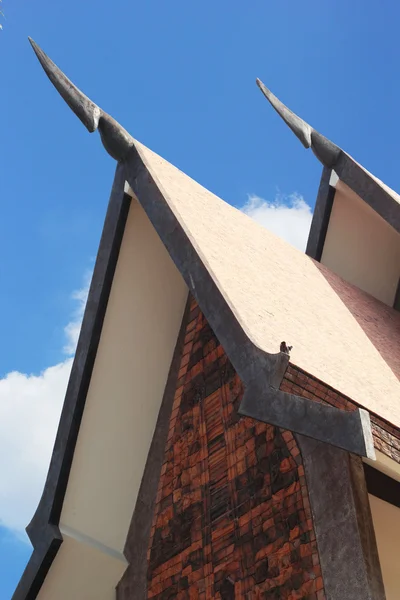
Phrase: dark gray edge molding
x=342 y=522
x=319 y=421
x=368 y=189
x=39 y=564
x=43 y=529
x=134 y=581
x=321 y=216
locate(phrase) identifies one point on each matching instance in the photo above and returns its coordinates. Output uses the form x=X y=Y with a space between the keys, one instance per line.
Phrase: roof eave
x=43 y=529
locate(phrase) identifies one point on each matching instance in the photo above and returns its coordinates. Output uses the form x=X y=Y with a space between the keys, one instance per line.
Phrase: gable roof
x=340 y=334
x=254 y=290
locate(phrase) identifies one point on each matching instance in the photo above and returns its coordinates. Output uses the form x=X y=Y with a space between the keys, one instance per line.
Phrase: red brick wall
x=232 y=517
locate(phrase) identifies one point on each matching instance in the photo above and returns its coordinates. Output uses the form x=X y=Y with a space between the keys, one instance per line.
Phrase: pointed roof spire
x=325 y=150
x=116 y=140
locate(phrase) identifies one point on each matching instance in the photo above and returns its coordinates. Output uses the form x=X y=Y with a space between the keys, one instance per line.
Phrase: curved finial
x=325 y=150
x=116 y=140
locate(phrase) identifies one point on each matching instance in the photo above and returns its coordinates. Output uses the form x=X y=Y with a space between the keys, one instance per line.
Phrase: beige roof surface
x=340 y=334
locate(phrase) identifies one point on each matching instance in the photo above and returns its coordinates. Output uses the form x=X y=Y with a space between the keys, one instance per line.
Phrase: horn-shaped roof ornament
x=116 y=140
x=325 y=150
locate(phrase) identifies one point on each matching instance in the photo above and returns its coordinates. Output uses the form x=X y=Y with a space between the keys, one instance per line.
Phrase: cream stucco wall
x=361 y=247
x=386 y=518
x=81 y=572
x=139 y=334
x=137 y=342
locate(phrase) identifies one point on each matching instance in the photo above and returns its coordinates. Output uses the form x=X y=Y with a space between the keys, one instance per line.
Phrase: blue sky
x=180 y=76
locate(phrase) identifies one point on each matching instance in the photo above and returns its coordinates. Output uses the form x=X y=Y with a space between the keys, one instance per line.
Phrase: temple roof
x=254 y=289
x=340 y=334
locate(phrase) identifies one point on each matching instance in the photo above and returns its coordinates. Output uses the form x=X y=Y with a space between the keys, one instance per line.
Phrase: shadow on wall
x=380 y=323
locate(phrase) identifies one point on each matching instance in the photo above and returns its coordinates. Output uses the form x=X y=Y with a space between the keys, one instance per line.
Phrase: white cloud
x=73 y=328
x=30 y=407
x=289 y=217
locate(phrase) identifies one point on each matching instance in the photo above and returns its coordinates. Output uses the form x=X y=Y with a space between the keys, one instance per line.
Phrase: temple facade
x=231 y=427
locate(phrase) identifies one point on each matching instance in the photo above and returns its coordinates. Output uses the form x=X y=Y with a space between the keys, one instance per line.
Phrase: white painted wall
x=386 y=518
x=361 y=247
x=140 y=330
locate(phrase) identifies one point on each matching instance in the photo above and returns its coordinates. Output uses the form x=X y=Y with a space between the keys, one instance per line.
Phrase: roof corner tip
x=33 y=43
x=115 y=138
x=300 y=128
x=86 y=110
x=326 y=151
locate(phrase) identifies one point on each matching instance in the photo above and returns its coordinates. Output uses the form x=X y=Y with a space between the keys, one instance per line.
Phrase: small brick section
x=296 y=381
x=232 y=517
